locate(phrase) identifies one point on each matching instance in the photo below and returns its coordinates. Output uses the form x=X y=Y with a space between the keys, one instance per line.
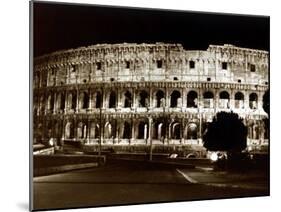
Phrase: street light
x=101 y=105
x=150 y=139
x=164 y=119
x=149 y=132
x=100 y=131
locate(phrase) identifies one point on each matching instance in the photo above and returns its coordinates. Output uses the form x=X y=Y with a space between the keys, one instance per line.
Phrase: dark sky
x=65 y=26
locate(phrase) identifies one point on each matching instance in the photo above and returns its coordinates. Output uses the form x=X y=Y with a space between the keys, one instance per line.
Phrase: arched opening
x=58 y=103
x=128 y=99
x=69 y=130
x=176 y=130
x=127 y=130
x=69 y=101
x=143 y=99
x=208 y=97
x=51 y=102
x=81 y=130
x=224 y=99
x=192 y=99
x=107 y=130
x=62 y=101
x=255 y=132
x=56 y=130
x=84 y=100
x=142 y=130
x=92 y=130
x=174 y=98
x=159 y=130
x=192 y=131
x=73 y=104
x=159 y=97
x=98 y=100
x=97 y=131
x=253 y=100
x=239 y=100
x=112 y=100
x=72 y=101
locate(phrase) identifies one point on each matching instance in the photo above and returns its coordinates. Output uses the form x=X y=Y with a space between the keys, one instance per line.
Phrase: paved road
x=123 y=182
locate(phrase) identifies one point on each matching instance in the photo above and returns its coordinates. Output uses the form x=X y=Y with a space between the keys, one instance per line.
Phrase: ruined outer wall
x=110 y=62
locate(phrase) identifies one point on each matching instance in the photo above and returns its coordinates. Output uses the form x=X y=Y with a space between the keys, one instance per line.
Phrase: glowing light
x=214 y=156
x=51 y=142
x=173 y=155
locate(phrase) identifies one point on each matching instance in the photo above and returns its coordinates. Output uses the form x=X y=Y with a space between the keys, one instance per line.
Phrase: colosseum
x=132 y=94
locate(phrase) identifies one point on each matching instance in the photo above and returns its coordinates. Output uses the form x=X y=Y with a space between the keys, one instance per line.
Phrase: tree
x=227 y=132
x=265 y=101
x=266 y=107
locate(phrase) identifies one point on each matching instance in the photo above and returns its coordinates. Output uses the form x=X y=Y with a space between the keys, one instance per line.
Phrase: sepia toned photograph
x=140 y=106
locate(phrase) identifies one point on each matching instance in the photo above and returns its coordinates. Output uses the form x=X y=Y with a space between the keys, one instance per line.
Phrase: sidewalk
x=249 y=180
x=52 y=164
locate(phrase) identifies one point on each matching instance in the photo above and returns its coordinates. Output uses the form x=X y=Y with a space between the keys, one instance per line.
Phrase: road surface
x=125 y=182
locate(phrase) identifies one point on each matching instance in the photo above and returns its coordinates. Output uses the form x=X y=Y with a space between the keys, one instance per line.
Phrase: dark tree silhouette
x=226 y=133
x=266 y=107
x=265 y=101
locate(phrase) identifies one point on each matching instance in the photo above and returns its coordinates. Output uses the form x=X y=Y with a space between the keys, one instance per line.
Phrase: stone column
x=63 y=132
x=133 y=131
x=94 y=100
x=145 y=131
x=121 y=132
x=134 y=98
x=261 y=132
x=88 y=131
x=65 y=102
x=260 y=103
x=182 y=131
x=119 y=102
x=150 y=123
x=151 y=98
x=216 y=99
x=246 y=100
x=75 y=128
x=184 y=98
x=104 y=98
x=45 y=102
x=199 y=100
x=116 y=130
x=167 y=98
x=77 y=101
x=232 y=100
x=169 y=131
x=55 y=104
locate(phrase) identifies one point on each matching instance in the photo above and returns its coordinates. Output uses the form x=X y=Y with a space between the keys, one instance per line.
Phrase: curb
x=175 y=165
x=59 y=169
x=159 y=163
x=222 y=184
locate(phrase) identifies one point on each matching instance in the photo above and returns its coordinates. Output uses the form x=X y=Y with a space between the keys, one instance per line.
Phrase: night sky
x=65 y=26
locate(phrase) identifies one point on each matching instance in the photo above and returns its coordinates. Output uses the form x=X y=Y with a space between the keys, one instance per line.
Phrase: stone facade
x=133 y=93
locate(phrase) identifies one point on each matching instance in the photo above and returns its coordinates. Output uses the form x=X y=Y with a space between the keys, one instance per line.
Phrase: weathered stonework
x=131 y=93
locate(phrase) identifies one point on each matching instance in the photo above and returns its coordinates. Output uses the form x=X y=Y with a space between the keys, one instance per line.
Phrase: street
x=129 y=182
